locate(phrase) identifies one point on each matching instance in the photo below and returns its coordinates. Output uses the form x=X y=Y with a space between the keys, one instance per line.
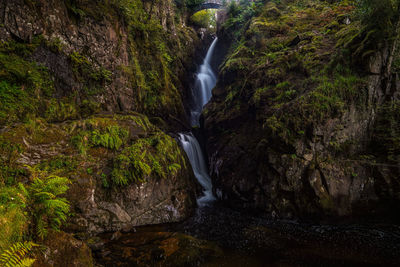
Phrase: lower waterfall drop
x=196 y=158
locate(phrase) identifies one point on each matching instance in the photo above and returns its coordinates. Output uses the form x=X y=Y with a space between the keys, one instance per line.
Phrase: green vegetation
x=43 y=201
x=17 y=255
x=44 y=111
x=13 y=103
x=155 y=155
x=381 y=21
x=157 y=49
x=9 y=168
x=85 y=72
x=27 y=211
x=23 y=83
x=56 y=164
x=386 y=135
x=205 y=19
x=154 y=65
x=27 y=88
x=192 y=4
x=39 y=202
x=284 y=54
x=111 y=137
x=239 y=13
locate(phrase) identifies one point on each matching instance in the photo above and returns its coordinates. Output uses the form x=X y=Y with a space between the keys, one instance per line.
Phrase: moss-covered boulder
x=62 y=249
x=124 y=170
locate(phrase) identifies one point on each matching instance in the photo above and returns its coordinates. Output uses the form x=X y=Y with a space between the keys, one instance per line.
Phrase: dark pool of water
x=248 y=240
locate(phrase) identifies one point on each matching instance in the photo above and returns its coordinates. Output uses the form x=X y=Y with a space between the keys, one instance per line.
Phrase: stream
x=220 y=236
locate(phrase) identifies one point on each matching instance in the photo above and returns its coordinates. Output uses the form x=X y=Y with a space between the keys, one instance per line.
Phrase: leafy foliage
x=380 y=21
x=192 y=4
x=156 y=155
x=13 y=217
x=204 y=18
x=39 y=202
x=9 y=168
x=23 y=83
x=13 y=103
x=17 y=255
x=44 y=203
x=239 y=13
x=111 y=137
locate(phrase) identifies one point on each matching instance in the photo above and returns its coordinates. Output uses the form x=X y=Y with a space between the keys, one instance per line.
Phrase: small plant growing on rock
x=43 y=202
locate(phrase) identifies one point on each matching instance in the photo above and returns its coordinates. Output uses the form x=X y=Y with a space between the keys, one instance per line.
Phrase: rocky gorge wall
x=88 y=90
x=292 y=123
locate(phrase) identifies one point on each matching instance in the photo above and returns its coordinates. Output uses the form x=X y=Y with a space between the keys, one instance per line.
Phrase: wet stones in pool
x=156 y=249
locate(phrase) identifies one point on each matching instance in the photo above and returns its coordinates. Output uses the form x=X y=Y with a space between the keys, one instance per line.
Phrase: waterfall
x=196 y=158
x=205 y=82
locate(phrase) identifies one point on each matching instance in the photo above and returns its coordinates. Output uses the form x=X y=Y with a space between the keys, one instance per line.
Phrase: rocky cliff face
x=111 y=55
x=66 y=69
x=292 y=123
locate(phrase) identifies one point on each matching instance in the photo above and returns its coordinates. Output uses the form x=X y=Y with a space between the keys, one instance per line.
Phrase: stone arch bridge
x=209 y=4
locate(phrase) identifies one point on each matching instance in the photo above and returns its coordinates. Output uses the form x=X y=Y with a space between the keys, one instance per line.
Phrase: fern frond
x=15 y=256
x=27 y=262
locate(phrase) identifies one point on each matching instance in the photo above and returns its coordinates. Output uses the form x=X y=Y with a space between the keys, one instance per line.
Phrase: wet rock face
x=267 y=154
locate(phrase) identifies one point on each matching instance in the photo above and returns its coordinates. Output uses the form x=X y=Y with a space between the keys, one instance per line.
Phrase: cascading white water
x=195 y=155
x=205 y=82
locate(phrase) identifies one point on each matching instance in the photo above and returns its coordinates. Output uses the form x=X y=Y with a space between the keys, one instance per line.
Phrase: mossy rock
x=62 y=249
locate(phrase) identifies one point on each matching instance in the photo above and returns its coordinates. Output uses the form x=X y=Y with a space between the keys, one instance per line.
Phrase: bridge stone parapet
x=209 y=4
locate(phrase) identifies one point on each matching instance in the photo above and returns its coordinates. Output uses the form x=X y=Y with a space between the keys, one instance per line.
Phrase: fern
x=112 y=138
x=16 y=255
x=174 y=168
x=155 y=156
x=47 y=208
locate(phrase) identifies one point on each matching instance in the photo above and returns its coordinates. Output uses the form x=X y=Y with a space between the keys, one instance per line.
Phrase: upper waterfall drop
x=205 y=82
